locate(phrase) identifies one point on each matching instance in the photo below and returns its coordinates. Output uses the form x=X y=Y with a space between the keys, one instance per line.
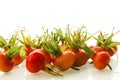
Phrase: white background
x=95 y=14
x=32 y=14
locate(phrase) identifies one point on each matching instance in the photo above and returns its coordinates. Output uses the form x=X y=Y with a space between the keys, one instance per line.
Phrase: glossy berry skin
x=111 y=52
x=96 y=49
x=101 y=59
x=29 y=49
x=6 y=64
x=65 y=60
x=35 y=62
x=46 y=55
x=80 y=58
x=17 y=60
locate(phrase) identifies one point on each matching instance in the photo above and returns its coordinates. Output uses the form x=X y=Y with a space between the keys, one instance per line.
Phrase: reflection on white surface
x=90 y=77
x=87 y=72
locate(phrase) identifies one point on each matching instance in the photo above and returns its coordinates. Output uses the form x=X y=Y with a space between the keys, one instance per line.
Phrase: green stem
x=91 y=62
x=109 y=66
x=75 y=68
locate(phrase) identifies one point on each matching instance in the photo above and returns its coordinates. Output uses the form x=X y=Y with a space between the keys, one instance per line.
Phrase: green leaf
x=51 y=47
x=13 y=51
x=99 y=41
x=3 y=42
x=87 y=49
x=46 y=48
x=114 y=44
x=23 y=36
x=91 y=35
x=108 y=40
